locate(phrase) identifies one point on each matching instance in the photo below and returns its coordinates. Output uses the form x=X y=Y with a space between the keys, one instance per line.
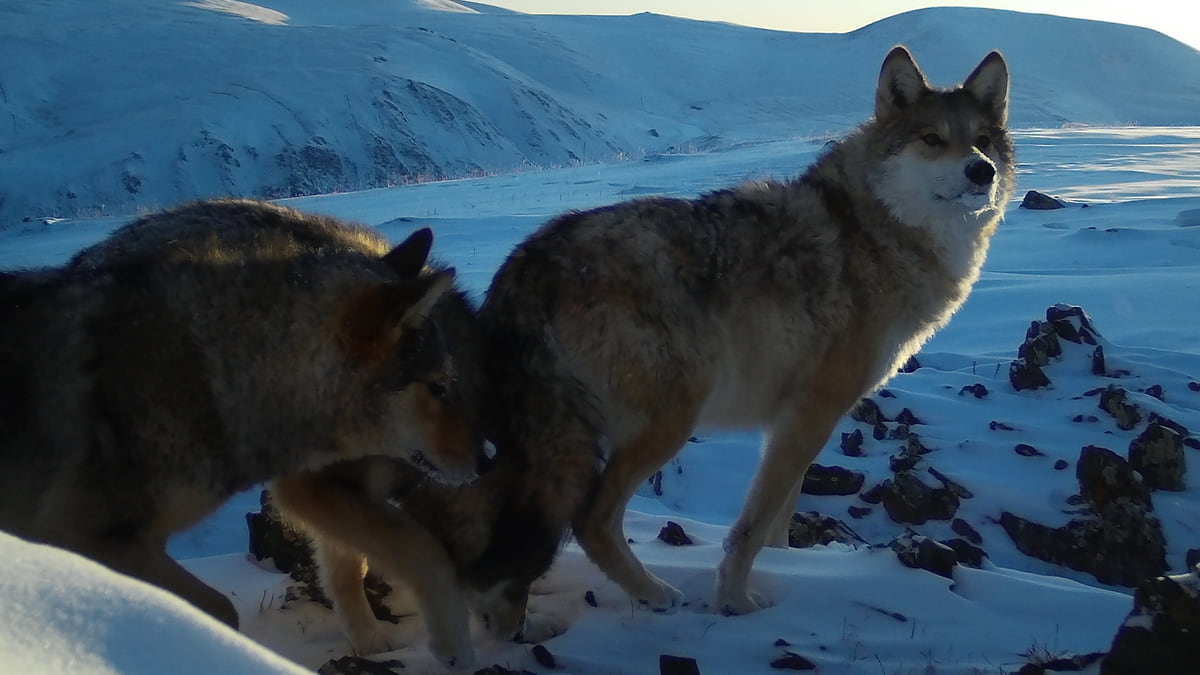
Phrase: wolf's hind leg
x=788 y=453
x=600 y=529
x=150 y=562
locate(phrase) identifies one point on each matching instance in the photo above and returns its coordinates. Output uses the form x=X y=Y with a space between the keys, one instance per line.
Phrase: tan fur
x=612 y=333
x=201 y=350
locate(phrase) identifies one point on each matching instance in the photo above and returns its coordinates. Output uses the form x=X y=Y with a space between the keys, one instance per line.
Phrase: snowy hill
x=124 y=105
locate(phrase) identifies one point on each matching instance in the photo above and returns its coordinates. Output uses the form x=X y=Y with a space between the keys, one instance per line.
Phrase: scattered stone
x=1098 y=367
x=999 y=426
x=886 y=393
x=958 y=489
x=793 y=661
x=880 y=431
x=967 y=553
x=673 y=534
x=858 y=511
x=543 y=656
x=1155 y=390
x=1061 y=464
x=964 y=529
x=1024 y=375
x=912 y=365
x=1112 y=401
x=1038 y=201
x=810 y=528
x=1041 y=343
x=1026 y=450
x=1157 y=454
x=782 y=643
x=900 y=432
x=1064 y=312
x=852 y=443
x=914 y=446
x=873 y=495
x=355 y=665
x=1090 y=419
x=868 y=412
x=1178 y=428
x=1159 y=635
x=902 y=461
x=831 y=480
x=677 y=665
x=908 y=500
x=590 y=599
x=1120 y=544
x=977 y=390
x=920 y=552
x=906 y=416
x=1194 y=386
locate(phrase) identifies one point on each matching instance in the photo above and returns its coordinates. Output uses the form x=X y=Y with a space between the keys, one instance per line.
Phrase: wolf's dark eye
x=436 y=390
x=932 y=140
x=982 y=142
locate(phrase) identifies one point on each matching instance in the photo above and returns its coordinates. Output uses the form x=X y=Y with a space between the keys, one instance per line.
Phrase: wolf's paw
x=734 y=604
x=659 y=597
x=540 y=627
x=373 y=641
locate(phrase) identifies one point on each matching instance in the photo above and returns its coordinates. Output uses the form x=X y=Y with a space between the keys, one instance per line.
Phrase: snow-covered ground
x=1130 y=258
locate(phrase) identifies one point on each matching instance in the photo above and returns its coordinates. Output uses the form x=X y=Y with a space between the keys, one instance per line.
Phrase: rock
x=912 y=365
x=590 y=598
x=1098 y=367
x=880 y=431
x=1061 y=464
x=543 y=656
x=1040 y=345
x=1024 y=375
x=1000 y=426
x=354 y=665
x=902 y=461
x=852 y=443
x=1159 y=635
x=914 y=446
x=867 y=411
x=907 y=417
x=966 y=553
x=964 y=529
x=920 y=552
x=957 y=488
x=908 y=500
x=977 y=390
x=1157 y=454
x=1120 y=544
x=859 y=511
x=1105 y=479
x=677 y=665
x=792 y=661
x=673 y=534
x=900 y=433
x=1026 y=450
x=810 y=528
x=1155 y=390
x=1193 y=386
x=1113 y=402
x=831 y=480
x=1037 y=201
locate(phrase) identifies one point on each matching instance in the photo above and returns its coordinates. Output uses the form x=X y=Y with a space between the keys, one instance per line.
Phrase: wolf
x=204 y=349
x=611 y=334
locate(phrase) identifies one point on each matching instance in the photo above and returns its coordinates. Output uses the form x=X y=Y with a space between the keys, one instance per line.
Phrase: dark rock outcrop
x=810 y=528
x=831 y=480
x=1040 y=201
x=1159 y=635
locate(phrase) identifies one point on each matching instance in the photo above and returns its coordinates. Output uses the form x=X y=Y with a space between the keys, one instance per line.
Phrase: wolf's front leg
x=788 y=453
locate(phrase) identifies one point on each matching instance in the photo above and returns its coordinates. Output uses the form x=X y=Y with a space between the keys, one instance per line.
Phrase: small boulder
x=1039 y=201
x=1159 y=635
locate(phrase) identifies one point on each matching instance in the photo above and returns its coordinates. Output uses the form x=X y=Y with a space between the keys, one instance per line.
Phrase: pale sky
x=1179 y=19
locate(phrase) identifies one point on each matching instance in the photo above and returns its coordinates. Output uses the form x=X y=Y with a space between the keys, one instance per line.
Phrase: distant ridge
x=104 y=112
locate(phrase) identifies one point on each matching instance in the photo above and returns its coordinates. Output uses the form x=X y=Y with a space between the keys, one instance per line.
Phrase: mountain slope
x=133 y=104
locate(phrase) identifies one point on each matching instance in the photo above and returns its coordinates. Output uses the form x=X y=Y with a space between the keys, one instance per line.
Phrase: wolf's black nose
x=980 y=172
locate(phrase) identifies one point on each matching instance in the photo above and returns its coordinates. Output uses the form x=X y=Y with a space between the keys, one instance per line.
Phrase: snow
x=84 y=99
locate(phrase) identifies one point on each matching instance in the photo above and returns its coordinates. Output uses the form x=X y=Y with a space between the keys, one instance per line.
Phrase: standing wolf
x=612 y=333
x=201 y=350
x=615 y=332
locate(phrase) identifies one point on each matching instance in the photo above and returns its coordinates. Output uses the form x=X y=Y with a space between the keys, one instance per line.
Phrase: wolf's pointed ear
x=988 y=83
x=408 y=258
x=900 y=83
x=371 y=320
x=425 y=295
